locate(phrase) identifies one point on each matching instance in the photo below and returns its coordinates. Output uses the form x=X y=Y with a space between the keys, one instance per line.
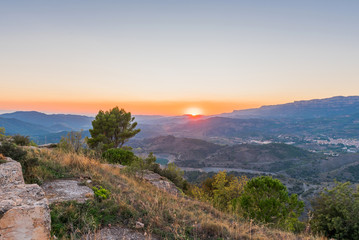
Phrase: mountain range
x=336 y=117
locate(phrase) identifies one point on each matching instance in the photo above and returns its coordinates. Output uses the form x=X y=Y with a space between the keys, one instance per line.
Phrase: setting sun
x=194 y=111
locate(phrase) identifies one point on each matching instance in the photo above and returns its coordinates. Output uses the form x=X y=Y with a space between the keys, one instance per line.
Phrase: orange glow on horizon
x=139 y=108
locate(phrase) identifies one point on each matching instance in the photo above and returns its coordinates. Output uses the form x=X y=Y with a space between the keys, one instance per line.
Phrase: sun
x=193 y=111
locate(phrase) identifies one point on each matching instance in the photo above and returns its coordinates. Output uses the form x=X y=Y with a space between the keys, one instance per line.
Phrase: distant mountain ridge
x=59 y=121
x=316 y=108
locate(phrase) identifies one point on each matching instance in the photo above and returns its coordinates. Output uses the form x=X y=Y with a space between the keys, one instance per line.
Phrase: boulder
x=10 y=173
x=24 y=210
x=161 y=182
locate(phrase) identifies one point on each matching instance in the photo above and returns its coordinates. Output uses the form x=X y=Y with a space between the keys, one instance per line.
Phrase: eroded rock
x=10 y=173
x=161 y=182
x=67 y=190
x=24 y=210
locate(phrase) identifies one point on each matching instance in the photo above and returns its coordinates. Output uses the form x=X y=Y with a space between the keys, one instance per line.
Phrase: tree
x=336 y=212
x=112 y=129
x=266 y=200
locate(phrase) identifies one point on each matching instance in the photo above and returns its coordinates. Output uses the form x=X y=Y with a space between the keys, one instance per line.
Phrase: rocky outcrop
x=24 y=210
x=66 y=190
x=161 y=182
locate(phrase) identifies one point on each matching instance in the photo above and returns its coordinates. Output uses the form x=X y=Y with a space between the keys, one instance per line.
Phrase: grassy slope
x=164 y=215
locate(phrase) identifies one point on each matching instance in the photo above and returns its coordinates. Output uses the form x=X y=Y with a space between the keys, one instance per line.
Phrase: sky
x=168 y=57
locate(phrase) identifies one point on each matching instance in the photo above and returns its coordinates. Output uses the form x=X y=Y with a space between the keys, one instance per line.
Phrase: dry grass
x=165 y=215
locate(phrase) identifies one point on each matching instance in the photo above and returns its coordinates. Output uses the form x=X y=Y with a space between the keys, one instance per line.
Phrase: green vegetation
x=2 y=132
x=112 y=129
x=21 y=140
x=101 y=193
x=336 y=212
x=262 y=199
x=71 y=220
x=119 y=156
x=266 y=200
x=27 y=162
x=72 y=142
x=220 y=190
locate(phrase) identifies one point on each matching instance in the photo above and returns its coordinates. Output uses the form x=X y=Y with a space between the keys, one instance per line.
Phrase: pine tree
x=112 y=129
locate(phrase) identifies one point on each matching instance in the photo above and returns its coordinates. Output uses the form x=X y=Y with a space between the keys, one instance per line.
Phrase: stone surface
x=66 y=190
x=10 y=173
x=24 y=210
x=118 y=233
x=161 y=182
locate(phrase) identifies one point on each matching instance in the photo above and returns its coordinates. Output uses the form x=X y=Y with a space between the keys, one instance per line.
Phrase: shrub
x=221 y=190
x=72 y=142
x=21 y=140
x=119 y=156
x=75 y=219
x=336 y=212
x=27 y=163
x=266 y=200
x=174 y=174
x=101 y=193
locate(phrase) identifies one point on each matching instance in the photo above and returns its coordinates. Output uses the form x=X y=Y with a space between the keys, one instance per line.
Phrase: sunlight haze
x=163 y=57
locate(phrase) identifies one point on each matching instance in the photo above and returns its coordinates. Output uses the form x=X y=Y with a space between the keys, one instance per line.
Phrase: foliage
x=266 y=200
x=119 y=155
x=171 y=171
x=21 y=140
x=2 y=132
x=72 y=142
x=112 y=129
x=221 y=190
x=75 y=219
x=336 y=212
x=27 y=163
x=165 y=215
x=101 y=193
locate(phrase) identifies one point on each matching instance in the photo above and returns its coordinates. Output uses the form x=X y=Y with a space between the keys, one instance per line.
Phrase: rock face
x=161 y=182
x=66 y=190
x=24 y=210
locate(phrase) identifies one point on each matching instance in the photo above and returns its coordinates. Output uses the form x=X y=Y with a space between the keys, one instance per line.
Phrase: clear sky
x=162 y=57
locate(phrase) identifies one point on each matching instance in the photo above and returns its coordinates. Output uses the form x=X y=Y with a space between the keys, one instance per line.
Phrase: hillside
x=15 y=126
x=316 y=108
x=132 y=200
x=55 y=122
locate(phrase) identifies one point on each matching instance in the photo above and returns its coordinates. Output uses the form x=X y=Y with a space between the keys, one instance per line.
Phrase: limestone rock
x=66 y=190
x=10 y=173
x=161 y=182
x=24 y=210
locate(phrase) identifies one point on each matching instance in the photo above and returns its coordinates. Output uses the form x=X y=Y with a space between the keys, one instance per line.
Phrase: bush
x=119 y=156
x=266 y=200
x=73 y=142
x=21 y=140
x=27 y=163
x=101 y=193
x=336 y=212
x=75 y=219
x=221 y=190
x=174 y=174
